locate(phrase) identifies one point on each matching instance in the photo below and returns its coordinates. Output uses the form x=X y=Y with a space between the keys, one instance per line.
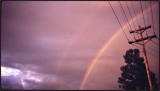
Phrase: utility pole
x=142 y=41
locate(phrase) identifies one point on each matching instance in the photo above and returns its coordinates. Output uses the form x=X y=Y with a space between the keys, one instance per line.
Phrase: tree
x=134 y=75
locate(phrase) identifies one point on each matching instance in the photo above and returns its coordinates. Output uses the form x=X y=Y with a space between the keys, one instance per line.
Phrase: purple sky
x=50 y=44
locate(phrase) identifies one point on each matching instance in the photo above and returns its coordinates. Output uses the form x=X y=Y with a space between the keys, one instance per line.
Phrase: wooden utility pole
x=142 y=41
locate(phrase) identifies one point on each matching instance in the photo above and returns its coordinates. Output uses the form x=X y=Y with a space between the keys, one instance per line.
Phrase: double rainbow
x=105 y=46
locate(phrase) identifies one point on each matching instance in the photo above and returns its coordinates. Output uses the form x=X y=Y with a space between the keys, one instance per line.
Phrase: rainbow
x=70 y=44
x=105 y=46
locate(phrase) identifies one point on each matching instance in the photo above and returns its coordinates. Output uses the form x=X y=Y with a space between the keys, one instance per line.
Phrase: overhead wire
x=126 y=17
x=151 y=54
x=153 y=25
x=147 y=15
x=118 y=20
x=146 y=52
x=153 y=20
x=148 y=20
x=125 y=14
x=146 y=47
x=138 y=23
x=153 y=29
x=143 y=16
x=155 y=42
x=152 y=49
x=136 y=46
x=142 y=13
x=134 y=12
x=145 y=25
x=131 y=17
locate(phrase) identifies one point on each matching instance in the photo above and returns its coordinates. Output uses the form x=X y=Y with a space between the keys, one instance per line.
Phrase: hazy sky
x=51 y=44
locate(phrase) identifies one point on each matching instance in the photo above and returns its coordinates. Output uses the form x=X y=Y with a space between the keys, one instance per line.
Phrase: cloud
x=19 y=83
x=46 y=84
x=11 y=83
x=59 y=41
x=37 y=81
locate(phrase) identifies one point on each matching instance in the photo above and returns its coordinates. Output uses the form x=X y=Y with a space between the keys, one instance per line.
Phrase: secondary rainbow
x=70 y=44
x=105 y=46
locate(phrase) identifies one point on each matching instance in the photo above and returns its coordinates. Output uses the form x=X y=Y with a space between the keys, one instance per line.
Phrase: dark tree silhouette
x=134 y=75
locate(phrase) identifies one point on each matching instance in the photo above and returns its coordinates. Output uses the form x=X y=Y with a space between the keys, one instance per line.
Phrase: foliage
x=134 y=75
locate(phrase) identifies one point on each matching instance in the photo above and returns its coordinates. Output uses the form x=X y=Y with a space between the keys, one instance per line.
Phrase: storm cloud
x=52 y=44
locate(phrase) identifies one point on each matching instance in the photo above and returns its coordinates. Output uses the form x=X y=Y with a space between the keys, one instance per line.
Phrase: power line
x=134 y=12
x=131 y=17
x=151 y=49
x=151 y=54
x=143 y=16
x=130 y=14
x=143 y=42
x=147 y=14
x=125 y=14
x=153 y=19
x=136 y=46
x=118 y=20
x=154 y=42
x=135 y=15
x=142 y=13
x=147 y=47
x=146 y=52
